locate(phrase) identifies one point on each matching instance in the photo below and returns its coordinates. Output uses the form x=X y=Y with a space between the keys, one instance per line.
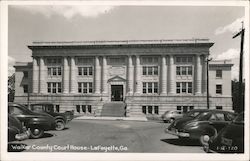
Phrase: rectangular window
x=150 y=70
x=184 y=89
x=85 y=87
x=144 y=87
x=84 y=108
x=150 y=87
x=179 y=108
x=144 y=109
x=155 y=70
x=54 y=71
x=25 y=88
x=191 y=108
x=86 y=71
x=219 y=107
x=190 y=88
x=155 y=87
x=190 y=72
x=150 y=109
x=178 y=70
x=218 y=89
x=57 y=108
x=54 y=61
x=89 y=109
x=144 y=70
x=156 y=110
x=78 y=108
x=218 y=73
x=54 y=87
x=183 y=71
x=184 y=59
x=178 y=87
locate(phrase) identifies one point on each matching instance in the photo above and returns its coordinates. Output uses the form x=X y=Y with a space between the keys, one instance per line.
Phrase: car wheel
x=60 y=125
x=36 y=132
x=206 y=137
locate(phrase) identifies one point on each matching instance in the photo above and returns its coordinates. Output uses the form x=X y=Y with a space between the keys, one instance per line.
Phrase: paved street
x=110 y=136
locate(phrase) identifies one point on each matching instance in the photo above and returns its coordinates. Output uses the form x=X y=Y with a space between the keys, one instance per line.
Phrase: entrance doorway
x=116 y=92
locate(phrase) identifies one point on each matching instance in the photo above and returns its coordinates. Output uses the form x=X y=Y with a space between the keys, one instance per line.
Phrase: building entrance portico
x=116 y=92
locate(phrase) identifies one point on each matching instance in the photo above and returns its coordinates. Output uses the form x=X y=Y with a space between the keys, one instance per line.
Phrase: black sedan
x=230 y=139
x=206 y=123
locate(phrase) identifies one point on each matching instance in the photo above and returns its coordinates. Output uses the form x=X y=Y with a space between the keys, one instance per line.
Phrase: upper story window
x=25 y=74
x=218 y=89
x=54 y=61
x=184 y=70
x=54 y=87
x=87 y=71
x=150 y=87
x=85 y=87
x=184 y=59
x=149 y=60
x=150 y=70
x=218 y=73
x=54 y=71
x=184 y=87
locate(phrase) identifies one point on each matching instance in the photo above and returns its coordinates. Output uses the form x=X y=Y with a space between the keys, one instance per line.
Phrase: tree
x=11 y=88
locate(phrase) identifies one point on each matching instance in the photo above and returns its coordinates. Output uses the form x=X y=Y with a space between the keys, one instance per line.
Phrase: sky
x=85 y=23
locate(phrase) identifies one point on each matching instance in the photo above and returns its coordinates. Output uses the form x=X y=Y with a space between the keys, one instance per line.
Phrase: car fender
x=60 y=118
x=202 y=129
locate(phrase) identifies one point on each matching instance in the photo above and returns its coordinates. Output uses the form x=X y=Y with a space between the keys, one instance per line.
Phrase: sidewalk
x=111 y=118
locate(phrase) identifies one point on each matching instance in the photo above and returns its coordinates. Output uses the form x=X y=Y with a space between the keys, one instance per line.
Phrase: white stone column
x=104 y=75
x=97 y=75
x=35 y=76
x=137 y=75
x=65 y=75
x=204 y=75
x=198 y=75
x=73 y=81
x=163 y=75
x=130 y=75
x=172 y=75
x=42 y=75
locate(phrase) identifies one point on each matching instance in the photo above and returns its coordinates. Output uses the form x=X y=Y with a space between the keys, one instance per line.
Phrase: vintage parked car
x=61 y=119
x=16 y=131
x=170 y=116
x=36 y=123
x=229 y=140
x=206 y=123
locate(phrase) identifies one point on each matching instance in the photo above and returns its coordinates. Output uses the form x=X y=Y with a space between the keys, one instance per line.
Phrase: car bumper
x=177 y=133
x=22 y=136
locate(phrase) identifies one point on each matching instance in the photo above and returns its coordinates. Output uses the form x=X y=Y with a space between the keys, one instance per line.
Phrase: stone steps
x=113 y=109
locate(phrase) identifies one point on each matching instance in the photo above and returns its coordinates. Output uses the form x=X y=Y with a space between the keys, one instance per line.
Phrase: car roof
x=42 y=103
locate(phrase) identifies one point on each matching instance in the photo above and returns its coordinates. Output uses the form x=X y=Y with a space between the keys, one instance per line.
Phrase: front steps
x=113 y=109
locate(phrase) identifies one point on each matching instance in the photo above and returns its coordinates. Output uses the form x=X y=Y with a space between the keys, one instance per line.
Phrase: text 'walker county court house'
x=118 y=78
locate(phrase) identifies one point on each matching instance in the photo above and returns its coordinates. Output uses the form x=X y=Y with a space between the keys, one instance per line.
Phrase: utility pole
x=240 y=98
x=208 y=60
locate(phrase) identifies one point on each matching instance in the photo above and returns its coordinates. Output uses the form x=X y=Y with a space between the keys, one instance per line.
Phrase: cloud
x=68 y=11
x=229 y=54
x=11 y=62
x=233 y=27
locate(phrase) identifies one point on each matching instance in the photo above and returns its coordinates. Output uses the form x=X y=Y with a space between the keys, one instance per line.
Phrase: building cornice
x=124 y=43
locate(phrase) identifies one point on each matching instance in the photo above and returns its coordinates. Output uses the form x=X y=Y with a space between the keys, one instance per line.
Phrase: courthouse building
x=118 y=78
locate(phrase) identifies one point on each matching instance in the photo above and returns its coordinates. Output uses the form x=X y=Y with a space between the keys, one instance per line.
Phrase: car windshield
x=25 y=108
x=192 y=113
x=239 y=119
x=202 y=116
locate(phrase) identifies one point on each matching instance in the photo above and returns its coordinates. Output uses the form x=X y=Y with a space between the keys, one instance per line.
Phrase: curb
x=113 y=118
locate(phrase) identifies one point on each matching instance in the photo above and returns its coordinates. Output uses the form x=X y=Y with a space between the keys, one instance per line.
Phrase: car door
x=218 y=120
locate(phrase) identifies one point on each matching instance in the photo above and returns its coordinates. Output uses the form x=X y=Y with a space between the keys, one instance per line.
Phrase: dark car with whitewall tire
x=61 y=119
x=206 y=123
x=229 y=140
x=36 y=123
x=16 y=131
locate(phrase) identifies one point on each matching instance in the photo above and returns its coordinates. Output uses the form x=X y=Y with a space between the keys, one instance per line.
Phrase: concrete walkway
x=111 y=118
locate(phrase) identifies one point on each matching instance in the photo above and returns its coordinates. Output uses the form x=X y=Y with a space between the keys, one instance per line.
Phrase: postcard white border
x=113 y=156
